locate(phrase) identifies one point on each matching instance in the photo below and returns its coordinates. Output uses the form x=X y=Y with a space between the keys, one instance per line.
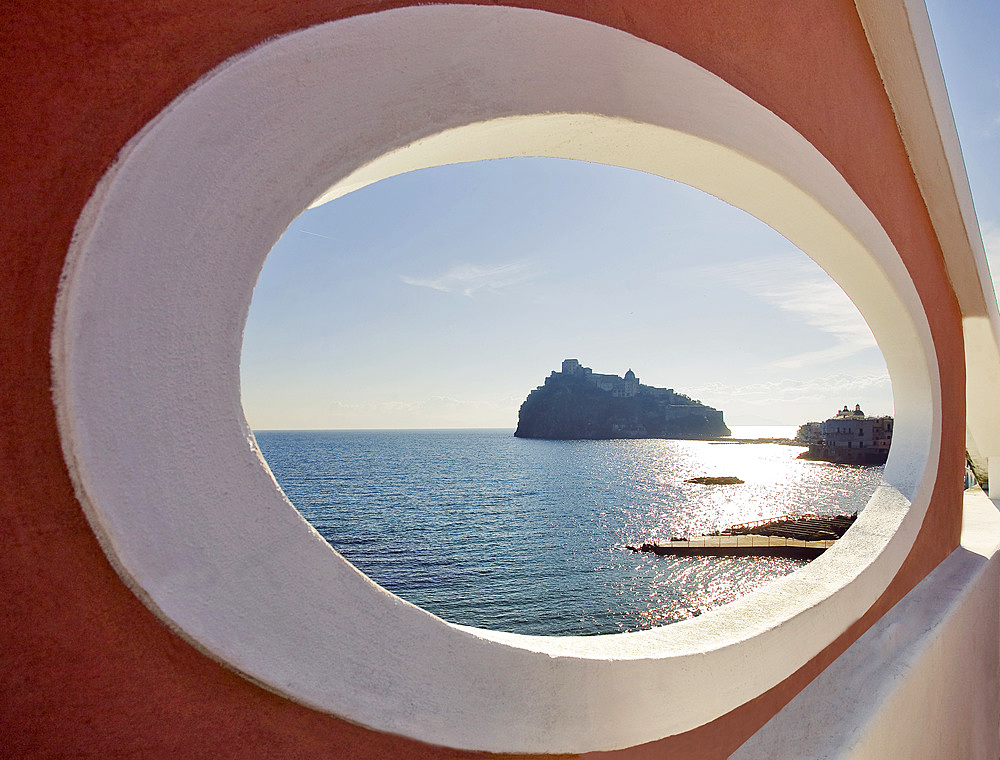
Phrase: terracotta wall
x=85 y=669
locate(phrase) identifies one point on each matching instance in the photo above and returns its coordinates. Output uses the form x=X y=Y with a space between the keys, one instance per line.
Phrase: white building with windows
x=852 y=437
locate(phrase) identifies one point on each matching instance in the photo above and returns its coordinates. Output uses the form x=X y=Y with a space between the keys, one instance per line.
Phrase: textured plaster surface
x=147 y=347
x=923 y=682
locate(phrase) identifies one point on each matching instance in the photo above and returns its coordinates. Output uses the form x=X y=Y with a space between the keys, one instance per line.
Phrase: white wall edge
x=914 y=83
x=923 y=683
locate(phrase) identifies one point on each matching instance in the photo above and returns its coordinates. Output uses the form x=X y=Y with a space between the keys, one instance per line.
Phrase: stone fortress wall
x=621 y=387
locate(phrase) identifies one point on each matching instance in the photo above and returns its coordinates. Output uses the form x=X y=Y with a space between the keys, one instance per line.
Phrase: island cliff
x=576 y=403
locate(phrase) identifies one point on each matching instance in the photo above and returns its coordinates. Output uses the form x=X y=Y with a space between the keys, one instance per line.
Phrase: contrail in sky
x=316 y=234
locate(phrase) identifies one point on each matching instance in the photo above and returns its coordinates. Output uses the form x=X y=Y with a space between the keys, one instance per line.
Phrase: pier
x=802 y=537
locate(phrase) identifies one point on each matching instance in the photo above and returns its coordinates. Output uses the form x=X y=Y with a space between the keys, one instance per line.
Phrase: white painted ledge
x=148 y=335
x=923 y=683
x=914 y=82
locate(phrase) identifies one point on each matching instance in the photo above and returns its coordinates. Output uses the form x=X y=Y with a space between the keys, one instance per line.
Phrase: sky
x=966 y=33
x=440 y=298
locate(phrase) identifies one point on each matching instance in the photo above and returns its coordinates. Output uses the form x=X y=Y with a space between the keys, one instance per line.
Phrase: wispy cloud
x=812 y=297
x=794 y=390
x=468 y=279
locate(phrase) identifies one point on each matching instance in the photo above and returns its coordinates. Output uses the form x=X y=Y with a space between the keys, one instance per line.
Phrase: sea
x=529 y=536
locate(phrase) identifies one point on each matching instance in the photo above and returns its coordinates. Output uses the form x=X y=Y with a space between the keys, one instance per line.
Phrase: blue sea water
x=485 y=529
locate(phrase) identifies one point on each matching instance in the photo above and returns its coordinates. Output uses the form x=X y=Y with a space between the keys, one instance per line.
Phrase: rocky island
x=578 y=404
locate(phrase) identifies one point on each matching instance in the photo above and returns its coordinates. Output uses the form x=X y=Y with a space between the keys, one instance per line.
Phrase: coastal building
x=162 y=599
x=852 y=437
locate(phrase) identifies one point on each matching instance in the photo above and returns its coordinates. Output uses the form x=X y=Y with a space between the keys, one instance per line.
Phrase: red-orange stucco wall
x=85 y=669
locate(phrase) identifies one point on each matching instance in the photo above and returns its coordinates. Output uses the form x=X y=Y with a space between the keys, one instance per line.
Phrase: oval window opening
x=395 y=333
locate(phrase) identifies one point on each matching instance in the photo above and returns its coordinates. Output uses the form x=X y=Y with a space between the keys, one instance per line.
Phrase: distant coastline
x=774 y=440
x=735 y=428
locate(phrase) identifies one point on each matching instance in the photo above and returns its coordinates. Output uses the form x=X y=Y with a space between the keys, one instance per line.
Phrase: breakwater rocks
x=578 y=404
x=844 y=455
x=806 y=527
x=804 y=537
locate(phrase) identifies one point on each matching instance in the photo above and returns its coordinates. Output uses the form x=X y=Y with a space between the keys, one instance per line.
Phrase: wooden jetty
x=805 y=537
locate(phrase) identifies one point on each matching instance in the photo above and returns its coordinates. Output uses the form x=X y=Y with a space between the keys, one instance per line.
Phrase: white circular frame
x=148 y=335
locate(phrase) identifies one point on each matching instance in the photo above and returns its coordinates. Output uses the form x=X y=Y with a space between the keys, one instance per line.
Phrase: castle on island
x=578 y=403
x=619 y=387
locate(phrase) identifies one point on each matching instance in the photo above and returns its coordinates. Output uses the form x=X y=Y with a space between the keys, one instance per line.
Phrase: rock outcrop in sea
x=577 y=403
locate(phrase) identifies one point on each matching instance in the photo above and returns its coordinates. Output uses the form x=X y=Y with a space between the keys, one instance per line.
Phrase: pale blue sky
x=967 y=33
x=440 y=298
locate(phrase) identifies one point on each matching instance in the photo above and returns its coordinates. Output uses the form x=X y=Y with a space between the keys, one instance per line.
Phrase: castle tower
x=631 y=385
